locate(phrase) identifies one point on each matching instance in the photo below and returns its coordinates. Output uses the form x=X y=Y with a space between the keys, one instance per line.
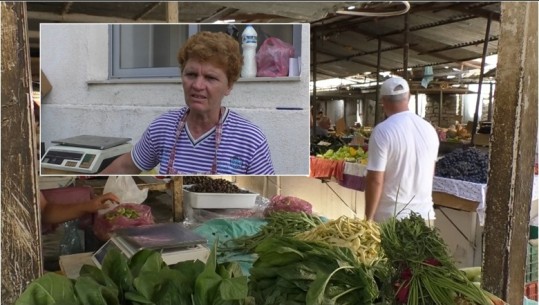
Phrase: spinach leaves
x=142 y=279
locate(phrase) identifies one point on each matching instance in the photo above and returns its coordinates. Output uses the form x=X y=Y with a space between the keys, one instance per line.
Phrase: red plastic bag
x=123 y=216
x=273 y=57
x=280 y=203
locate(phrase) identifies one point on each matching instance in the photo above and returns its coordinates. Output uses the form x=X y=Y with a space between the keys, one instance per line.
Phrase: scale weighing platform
x=84 y=154
x=172 y=240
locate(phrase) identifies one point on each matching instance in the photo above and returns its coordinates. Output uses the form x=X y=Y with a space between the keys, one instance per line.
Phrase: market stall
x=286 y=253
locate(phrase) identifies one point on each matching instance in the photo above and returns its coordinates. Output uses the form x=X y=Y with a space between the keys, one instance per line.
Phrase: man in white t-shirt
x=402 y=153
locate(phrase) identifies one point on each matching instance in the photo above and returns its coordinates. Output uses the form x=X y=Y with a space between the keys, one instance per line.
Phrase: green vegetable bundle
x=142 y=279
x=285 y=224
x=290 y=271
x=423 y=270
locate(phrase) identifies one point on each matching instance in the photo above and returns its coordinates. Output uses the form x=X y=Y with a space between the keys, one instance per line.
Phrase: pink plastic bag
x=273 y=57
x=123 y=216
x=280 y=203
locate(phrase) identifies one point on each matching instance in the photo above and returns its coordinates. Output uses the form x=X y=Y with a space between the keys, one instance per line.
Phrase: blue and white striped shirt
x=243 y=149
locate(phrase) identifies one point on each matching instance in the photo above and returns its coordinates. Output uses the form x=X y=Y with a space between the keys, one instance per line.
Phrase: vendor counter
x=460 y=205
x=450 y=193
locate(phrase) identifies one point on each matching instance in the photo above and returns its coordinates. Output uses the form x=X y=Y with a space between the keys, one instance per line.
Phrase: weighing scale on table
x=172 y=240
x=84 y=154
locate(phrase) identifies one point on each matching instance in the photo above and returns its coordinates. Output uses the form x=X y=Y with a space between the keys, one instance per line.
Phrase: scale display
x=84 y=154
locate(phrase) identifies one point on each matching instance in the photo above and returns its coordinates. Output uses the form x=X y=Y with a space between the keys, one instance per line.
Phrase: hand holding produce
x=123 y=216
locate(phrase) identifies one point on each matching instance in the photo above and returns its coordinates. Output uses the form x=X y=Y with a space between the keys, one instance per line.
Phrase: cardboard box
x=482 y=139
x=46 y=86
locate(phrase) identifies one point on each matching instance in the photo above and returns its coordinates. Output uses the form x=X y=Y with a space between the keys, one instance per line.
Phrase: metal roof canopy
x=440 y=33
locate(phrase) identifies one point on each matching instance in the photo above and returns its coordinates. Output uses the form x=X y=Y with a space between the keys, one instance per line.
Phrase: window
x=146 y=50
x=150 y=50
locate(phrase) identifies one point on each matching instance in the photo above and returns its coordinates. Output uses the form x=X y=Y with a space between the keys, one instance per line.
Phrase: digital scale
x=172 y=240
x=84 y=154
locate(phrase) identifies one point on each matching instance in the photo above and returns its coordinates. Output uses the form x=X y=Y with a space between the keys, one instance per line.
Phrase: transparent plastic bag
x=273 y=58
x=71 y=241
x=196 y=217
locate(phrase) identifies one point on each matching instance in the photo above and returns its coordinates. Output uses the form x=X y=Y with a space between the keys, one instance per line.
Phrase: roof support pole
x=490 y=103
x=441 y=107
x=406 y=45
x=512 y=150
x=173 y=13
x=21 y=229
x=377 y=102
x=416 y=103
x=314 y=99
x=485 y=47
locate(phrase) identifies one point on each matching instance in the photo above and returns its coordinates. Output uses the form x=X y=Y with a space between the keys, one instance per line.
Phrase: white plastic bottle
x=249 y=42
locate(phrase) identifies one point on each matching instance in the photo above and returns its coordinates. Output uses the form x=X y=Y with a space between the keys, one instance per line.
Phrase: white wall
x=75 y=59
x=324 y=201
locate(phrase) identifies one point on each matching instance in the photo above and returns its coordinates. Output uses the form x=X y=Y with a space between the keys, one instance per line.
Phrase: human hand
x=100 y=202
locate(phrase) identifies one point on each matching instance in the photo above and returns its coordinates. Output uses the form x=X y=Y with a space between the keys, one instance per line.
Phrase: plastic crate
x=531 y=264
x=530 y=291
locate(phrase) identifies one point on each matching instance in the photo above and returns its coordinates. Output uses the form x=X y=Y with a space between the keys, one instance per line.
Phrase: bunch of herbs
x=423 y=271
x=290 y=271
x=279 y=224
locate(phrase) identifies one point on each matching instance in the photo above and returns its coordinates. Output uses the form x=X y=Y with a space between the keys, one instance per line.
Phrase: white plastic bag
x=126 y=189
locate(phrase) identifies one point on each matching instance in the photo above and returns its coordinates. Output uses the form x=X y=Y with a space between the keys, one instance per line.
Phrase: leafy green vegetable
x=290 y=271
x=100 y=277
x=49 y=289
x=279 y=224
x=145 y=260
x=90 y=292
x=427 y=273
x=143 y=279
x=115 y=266
x=207 y=283
x=234 y=288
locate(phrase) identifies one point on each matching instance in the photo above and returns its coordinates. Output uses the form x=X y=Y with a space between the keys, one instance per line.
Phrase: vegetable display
x=216 y=186
x=290 y=271
x=279 y=224
x=361 y=236
x=423 y=271
x=346 y=153
x=142 y=279
x=470 y=164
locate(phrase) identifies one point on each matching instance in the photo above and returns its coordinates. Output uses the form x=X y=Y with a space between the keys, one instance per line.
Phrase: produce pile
x=361 y=236
x=345 y=153
x=426 y=273
x=469 y=164
x=188 y=180
x=142 y=279
x=278 y=224
x=300 y=260
x=121 y=211
x=455 y=133
x=216 y=186
x=289 y=271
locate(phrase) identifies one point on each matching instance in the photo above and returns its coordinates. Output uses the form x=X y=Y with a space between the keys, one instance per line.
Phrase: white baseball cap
x=394 y=86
